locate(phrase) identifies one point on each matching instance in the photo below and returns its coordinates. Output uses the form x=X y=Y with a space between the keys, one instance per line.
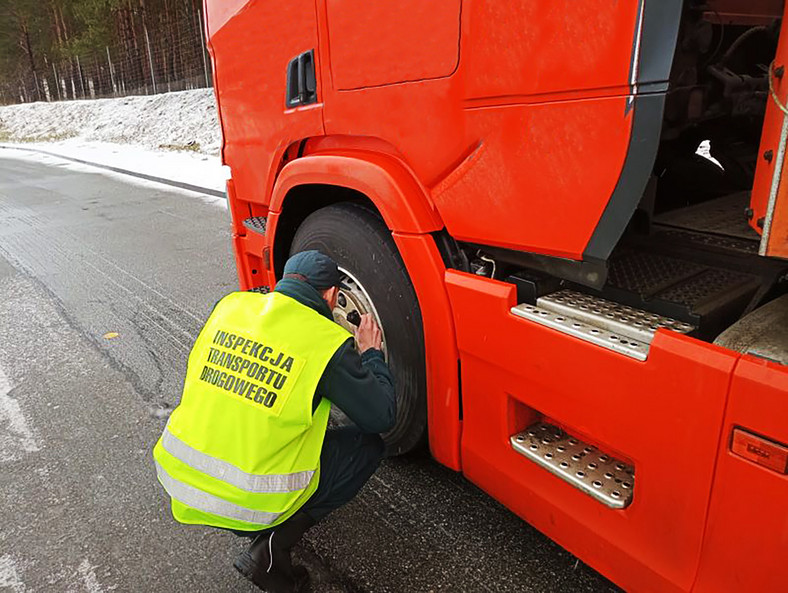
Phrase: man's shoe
x=257 y=565
x=301 y=578
x=267 y=562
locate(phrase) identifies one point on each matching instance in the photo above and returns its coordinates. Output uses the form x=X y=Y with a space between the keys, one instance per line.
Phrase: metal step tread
x=584 y=331
x=724 y=216
x=256 y=224
x=736 y=244
x=601 y=476
x=617 y=318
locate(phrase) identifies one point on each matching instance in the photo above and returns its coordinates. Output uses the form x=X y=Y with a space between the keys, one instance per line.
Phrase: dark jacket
x=359 y=385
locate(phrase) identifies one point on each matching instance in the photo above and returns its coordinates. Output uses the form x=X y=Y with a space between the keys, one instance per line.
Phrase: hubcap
x=352 y=302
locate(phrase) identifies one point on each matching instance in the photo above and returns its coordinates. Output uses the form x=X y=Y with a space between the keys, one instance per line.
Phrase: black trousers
x=348 y=459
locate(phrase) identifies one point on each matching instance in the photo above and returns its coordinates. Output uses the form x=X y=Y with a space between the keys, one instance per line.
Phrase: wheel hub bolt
x=354 y=318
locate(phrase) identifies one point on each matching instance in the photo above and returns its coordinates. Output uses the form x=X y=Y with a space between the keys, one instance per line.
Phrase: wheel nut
x=354 y=317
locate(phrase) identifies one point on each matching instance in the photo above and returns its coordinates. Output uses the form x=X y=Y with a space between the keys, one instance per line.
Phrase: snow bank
x=173 y=136
x=183 y=120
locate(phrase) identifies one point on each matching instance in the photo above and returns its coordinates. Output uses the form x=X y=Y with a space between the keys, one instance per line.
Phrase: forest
x=71 y=49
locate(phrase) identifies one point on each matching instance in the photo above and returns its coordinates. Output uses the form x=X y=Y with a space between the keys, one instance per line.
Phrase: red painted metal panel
x=376 y=43
x=251 y=53
x=544 y=175
x=532 y=47
x=664 y=415
x=237 y=210
x=426 y=270
x=241 y=265
x=540 y=117
x=746 y=541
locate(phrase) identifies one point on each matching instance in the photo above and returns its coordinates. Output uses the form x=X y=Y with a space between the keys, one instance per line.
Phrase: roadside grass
x=7 y=136
x=192 y=146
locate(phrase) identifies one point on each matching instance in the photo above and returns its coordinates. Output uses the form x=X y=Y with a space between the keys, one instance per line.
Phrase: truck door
x=255 y=46
x=393 y=75
x=259 y=51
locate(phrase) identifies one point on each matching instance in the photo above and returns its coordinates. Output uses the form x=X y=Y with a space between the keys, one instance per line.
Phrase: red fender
x=399 y=197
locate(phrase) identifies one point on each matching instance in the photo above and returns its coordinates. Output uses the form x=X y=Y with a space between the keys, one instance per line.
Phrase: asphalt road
x=104 y=282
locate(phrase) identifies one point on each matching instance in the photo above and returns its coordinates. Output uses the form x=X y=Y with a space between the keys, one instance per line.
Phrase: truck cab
x=570 y=219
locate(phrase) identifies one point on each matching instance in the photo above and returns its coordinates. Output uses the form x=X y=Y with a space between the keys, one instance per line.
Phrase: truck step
x=613 y=326
x=617 y=318
x=256 y=224
x=601 y=476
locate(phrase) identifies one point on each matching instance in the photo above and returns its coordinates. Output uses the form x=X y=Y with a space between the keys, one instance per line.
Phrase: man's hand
x=368 y=334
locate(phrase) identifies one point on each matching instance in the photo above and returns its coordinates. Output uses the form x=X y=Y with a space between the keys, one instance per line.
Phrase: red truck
x=570 y=218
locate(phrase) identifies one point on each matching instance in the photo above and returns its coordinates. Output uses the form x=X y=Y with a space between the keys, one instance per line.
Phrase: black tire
x=359 y=241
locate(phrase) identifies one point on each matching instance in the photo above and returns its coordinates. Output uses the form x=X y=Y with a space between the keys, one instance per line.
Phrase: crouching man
x=248 y=448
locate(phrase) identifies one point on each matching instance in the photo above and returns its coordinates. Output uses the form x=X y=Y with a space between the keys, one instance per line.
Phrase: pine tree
x=24 y=40
x=60 y=49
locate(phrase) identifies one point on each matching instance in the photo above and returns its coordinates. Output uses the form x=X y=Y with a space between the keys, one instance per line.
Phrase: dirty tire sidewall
x=359 y=241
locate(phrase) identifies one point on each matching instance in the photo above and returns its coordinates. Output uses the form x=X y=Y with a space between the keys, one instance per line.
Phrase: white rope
x=775 y=98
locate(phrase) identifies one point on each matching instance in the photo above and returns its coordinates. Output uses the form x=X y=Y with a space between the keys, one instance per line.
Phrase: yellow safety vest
x=242 y=450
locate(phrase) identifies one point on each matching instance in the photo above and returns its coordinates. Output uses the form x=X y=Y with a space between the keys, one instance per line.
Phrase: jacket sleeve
x=362 y=387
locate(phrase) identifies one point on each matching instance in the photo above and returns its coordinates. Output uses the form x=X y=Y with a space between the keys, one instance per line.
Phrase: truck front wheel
x=377 y=283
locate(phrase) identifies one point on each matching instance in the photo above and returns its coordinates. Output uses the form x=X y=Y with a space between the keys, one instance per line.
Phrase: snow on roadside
x=173 y=136
x=201 y=170
x=184 y=119
x=189 y=168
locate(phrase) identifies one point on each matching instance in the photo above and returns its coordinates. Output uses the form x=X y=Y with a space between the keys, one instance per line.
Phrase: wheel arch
x=381 y=181
x=385 y=185
x=301 y=201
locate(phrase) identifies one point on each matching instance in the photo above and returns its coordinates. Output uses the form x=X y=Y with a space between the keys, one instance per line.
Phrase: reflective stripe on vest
x=227 y=472
x=208 y=503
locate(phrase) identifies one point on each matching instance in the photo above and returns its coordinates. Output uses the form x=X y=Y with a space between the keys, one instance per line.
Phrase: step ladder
x=604 y=323
x=594 y=472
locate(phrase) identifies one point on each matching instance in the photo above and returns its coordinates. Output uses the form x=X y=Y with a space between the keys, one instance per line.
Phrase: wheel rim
x=353 y=297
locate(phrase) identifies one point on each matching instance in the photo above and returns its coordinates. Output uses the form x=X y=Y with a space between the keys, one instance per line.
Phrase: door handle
x=301 y=81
